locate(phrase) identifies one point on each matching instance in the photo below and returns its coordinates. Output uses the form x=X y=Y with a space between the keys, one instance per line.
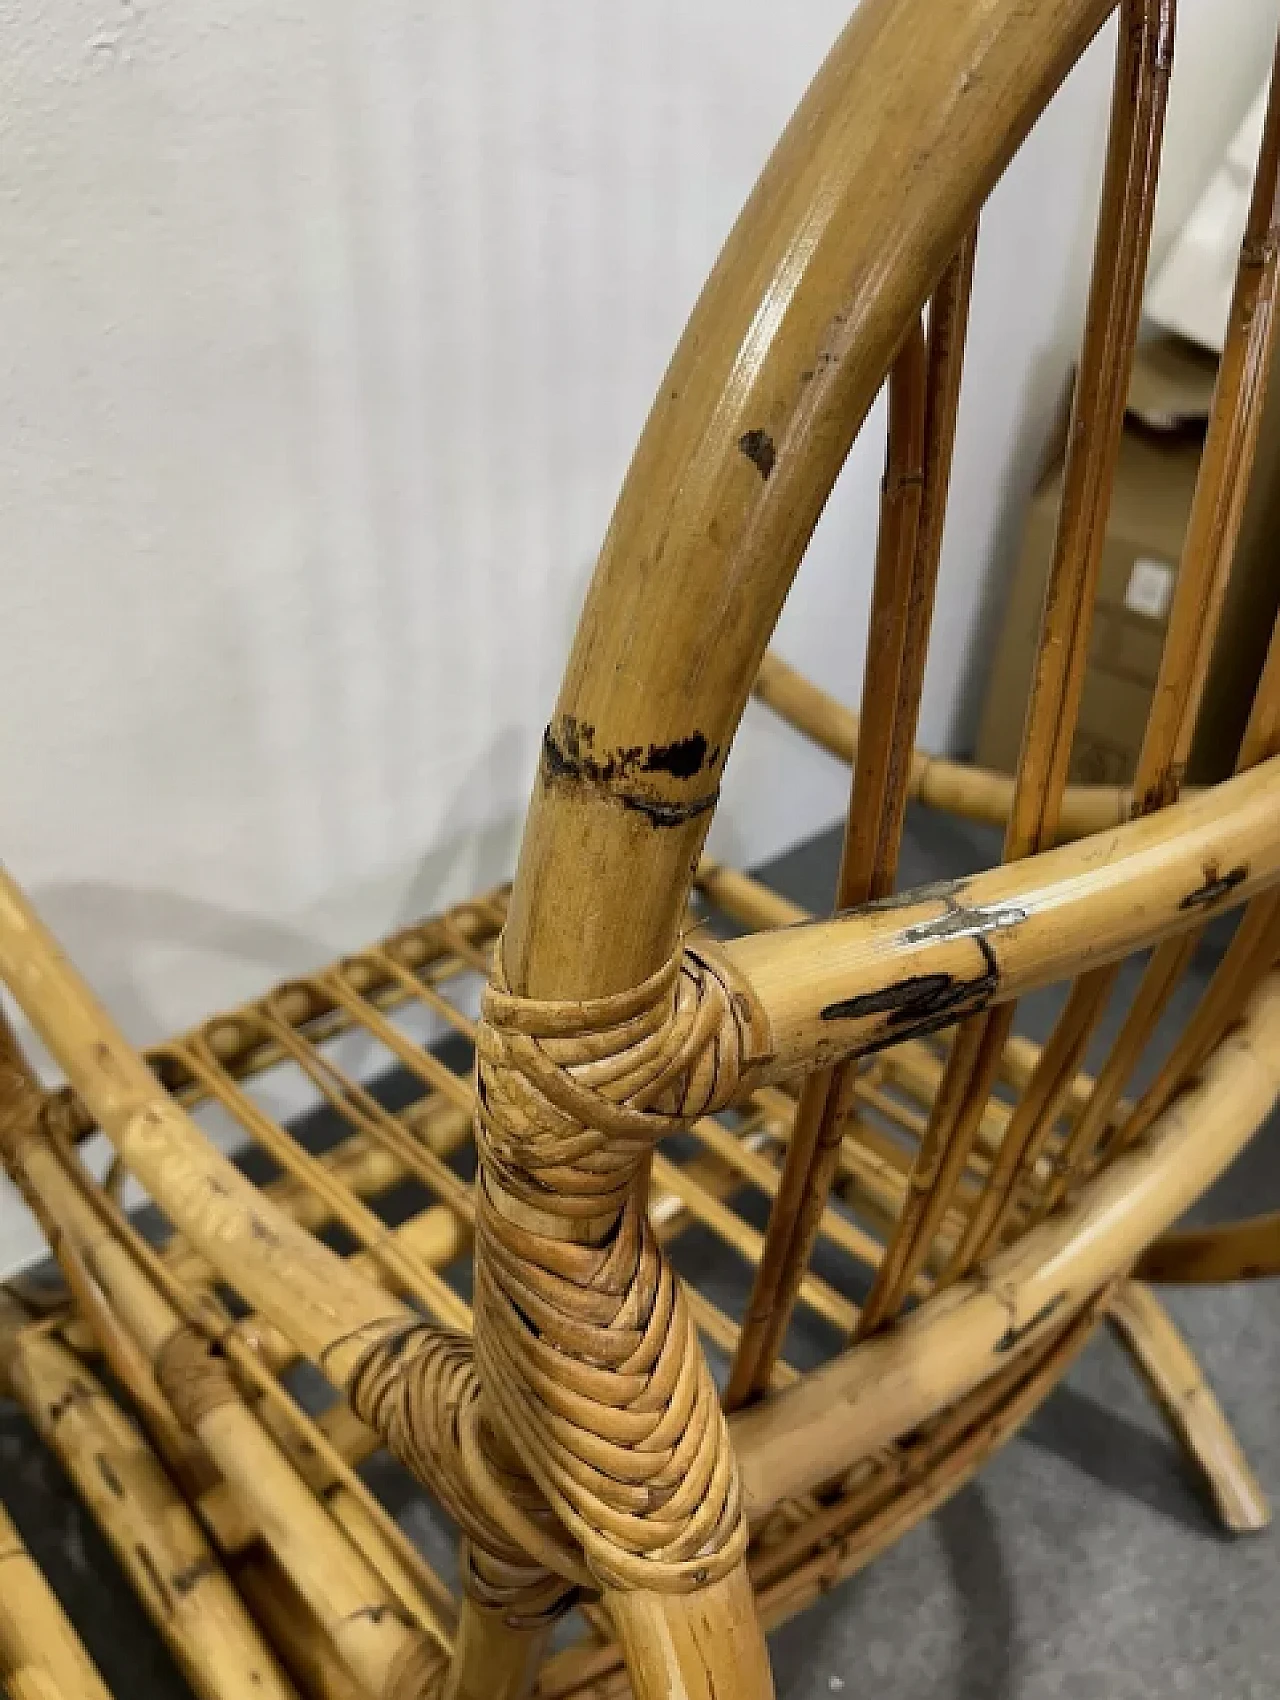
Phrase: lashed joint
x=587 y=1350
x=193 y=1376
x=416 y=1386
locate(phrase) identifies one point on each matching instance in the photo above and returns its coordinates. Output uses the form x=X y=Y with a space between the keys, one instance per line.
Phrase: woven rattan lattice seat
x=685 y=1247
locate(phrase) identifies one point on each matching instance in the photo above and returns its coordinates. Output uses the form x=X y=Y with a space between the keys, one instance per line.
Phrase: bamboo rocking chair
x=980 y=1204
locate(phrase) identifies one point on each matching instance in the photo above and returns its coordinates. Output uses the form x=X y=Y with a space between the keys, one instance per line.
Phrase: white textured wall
x=328 y=329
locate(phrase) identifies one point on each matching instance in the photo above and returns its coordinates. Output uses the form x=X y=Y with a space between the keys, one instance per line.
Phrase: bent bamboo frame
x=810 y=305
x=885 y=1386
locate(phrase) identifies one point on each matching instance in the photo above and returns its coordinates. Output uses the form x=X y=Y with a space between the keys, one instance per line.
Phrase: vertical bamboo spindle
x=1212 y=530
x=1255 y=945
x=924 y=398
x=1124 y=228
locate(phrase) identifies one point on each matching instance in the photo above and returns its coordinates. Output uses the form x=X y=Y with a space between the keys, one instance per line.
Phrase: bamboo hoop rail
x=758 y=908
x=882 y=1387
x=41 y=1656
x=956 y=788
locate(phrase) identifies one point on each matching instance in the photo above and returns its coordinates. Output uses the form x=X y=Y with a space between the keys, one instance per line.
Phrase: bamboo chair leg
x=40 y=1653
x=493 y=1657
x=1177 y=1384
x=701 y=1646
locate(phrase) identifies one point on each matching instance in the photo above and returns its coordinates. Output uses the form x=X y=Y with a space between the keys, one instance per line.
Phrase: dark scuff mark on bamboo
x=571 y=752
x=920 y=1029
x=682 y=759
x=914 y=993
x=263 y=1232
x=569 y=760
x=921 y=1003
x=76 y=1394
x=1017 y=1332
x=758 y=447
x=107 y=1470
x=1216 y=886
x=191 y=1575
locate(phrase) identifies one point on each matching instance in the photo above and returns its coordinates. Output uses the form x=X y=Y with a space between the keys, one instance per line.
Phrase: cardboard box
x=1159 y=458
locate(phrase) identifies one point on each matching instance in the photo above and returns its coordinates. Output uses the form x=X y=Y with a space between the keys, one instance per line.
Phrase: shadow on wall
x=110 y=930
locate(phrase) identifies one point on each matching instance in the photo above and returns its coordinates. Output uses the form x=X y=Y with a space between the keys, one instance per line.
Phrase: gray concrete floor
x=1082 y=1564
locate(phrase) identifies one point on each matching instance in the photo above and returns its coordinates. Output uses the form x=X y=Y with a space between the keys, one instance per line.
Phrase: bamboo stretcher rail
x=956 y=788
x=882 y=1387
x=316 y=1457
x=346 y=1592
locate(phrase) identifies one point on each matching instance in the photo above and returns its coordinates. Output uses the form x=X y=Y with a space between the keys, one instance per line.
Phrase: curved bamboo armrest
x=913 y=963
x=977 y=793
